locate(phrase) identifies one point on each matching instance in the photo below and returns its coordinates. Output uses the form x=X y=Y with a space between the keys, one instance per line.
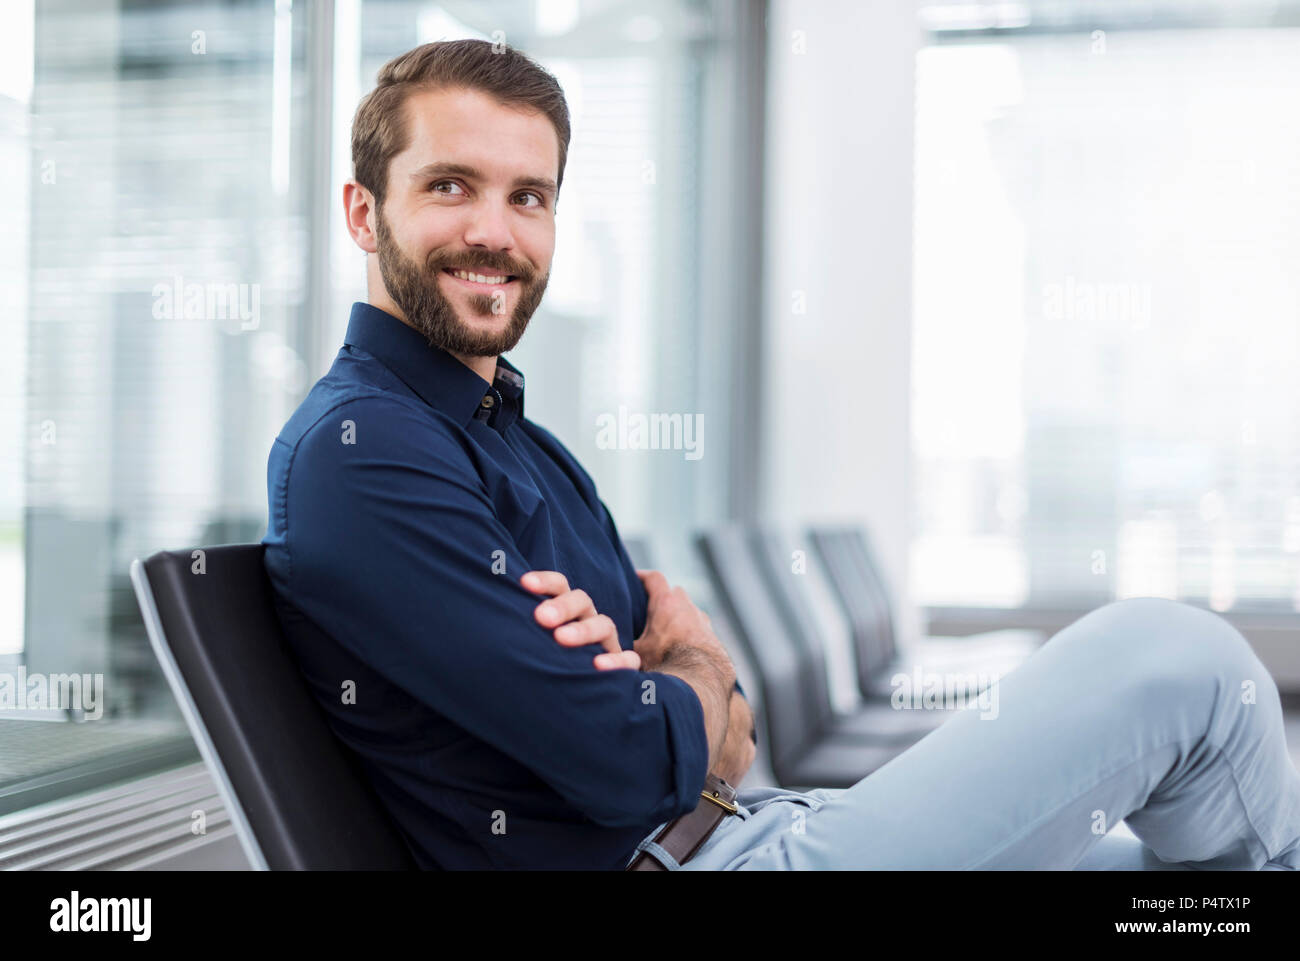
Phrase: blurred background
x=1011 y=288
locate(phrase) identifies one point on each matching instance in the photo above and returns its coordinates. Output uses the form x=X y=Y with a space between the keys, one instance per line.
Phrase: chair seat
x=880 y=721
x=836 y=764
x=1002 y=645
x=994 y=655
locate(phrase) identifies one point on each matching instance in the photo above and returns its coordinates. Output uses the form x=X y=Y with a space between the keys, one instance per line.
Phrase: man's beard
x=429 y=311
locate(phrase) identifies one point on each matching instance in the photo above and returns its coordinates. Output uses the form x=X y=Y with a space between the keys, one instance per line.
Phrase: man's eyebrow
x=445 y=168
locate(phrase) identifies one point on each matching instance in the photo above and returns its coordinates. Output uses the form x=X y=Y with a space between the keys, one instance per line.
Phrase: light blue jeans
x=1147 y=711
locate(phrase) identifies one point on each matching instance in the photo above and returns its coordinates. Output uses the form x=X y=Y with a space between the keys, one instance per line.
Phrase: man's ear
x=358 y=210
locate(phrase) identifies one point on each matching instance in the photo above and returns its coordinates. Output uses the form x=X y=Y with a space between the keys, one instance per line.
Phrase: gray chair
x=861 y=590
x=297 y=796
x=802 y=752
x=869 y=622
x=873 y=717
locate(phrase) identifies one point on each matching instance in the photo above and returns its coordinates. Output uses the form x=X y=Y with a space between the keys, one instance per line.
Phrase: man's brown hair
x=379 y=129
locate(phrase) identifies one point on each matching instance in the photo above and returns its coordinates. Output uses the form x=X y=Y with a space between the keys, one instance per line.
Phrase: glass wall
x=163 y=288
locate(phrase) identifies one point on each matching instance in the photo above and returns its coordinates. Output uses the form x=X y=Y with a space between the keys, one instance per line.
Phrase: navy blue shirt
x=407 y=496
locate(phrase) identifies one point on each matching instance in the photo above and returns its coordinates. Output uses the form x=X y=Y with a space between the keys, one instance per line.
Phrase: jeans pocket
x=755 y=799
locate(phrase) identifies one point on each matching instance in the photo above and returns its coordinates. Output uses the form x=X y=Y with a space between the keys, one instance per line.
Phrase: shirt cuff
x=689 y=744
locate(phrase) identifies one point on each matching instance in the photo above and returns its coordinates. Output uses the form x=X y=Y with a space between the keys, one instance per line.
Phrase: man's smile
x=482 y=280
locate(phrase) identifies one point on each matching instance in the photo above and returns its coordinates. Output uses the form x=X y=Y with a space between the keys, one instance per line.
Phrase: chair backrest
x=857 y=545
x=861 y=592
x=759 y=626
x=297 y=796
x=773 y=557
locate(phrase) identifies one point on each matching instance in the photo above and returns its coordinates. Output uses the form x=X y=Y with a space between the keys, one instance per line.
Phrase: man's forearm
x=712 y=678
x=738 y=750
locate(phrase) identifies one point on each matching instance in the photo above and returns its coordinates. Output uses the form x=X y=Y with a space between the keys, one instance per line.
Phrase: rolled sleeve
x=397 y=551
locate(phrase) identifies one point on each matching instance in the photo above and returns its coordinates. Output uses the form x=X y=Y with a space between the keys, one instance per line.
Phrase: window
x=1106 y=304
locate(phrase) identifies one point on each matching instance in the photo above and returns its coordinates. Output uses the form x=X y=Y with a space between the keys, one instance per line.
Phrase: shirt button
x=486 y=401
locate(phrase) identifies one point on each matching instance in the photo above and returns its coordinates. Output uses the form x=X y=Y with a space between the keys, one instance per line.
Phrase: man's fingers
x=621 y=660
x=598 y=629
x=545 y=582
x=586 y=631
x=569 y=606
x=572 y=614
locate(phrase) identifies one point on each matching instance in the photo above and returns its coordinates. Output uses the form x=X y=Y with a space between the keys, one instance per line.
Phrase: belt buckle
x=720 y=793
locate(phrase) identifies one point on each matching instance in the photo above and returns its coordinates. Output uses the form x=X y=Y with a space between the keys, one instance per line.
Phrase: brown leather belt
x=683 y=836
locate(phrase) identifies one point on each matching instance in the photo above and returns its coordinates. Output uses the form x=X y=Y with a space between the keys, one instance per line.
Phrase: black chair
x=872 y=717
x=803 y=753
x=860 y=588
x=296 y=795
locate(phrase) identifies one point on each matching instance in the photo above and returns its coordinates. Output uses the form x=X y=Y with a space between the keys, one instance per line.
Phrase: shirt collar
x=440 y=379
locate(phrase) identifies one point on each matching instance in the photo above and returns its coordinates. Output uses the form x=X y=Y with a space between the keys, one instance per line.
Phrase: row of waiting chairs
x=759 y=578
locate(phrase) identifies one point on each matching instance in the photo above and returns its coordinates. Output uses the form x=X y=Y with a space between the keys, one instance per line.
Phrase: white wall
x=835 y=429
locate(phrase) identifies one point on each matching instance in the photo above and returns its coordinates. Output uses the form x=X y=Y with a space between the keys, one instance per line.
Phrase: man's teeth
x=478 y=278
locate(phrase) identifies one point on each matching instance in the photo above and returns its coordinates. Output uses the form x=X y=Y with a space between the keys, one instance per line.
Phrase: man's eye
x=444 y=183
x=541 y=202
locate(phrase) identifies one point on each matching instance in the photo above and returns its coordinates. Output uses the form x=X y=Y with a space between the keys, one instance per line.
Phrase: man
x=460 y=601
x=409 y=497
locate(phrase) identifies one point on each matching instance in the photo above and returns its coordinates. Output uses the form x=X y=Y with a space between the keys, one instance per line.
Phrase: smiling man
x=460 y=602
x=455 y=591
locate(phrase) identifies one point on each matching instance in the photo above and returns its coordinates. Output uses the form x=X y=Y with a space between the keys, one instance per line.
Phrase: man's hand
x=679 y=640
x=575 y=622
x=671 y=619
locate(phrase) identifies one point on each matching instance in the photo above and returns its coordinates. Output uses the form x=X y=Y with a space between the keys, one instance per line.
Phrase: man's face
x=473 y=191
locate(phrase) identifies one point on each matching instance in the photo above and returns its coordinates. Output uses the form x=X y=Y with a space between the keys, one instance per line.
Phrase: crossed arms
x=678 y=639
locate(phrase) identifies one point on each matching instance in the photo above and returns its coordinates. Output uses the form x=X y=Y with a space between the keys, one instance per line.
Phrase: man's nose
x=489 y=226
